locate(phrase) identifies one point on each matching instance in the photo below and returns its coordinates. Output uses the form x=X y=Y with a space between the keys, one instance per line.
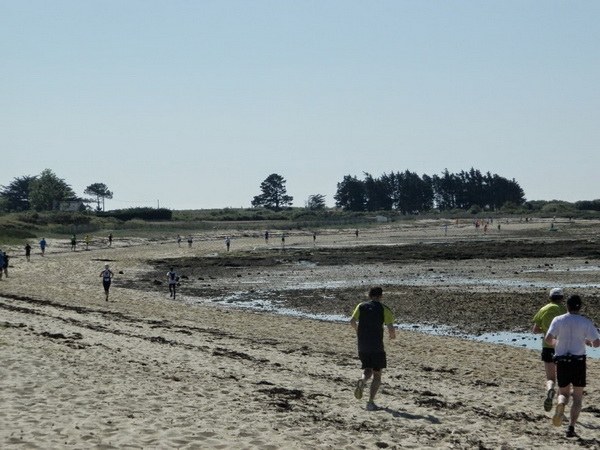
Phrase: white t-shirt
x=572 y=330
x=172 y=276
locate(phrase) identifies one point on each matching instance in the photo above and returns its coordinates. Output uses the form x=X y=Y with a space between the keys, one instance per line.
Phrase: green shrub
x=558 y=208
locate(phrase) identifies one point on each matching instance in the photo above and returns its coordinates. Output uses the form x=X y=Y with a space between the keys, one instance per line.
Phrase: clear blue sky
x=192 y=103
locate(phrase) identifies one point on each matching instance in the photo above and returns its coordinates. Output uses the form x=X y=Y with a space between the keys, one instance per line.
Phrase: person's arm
x=388 y=320
x=550 y=339
x=391 y=331
x=536 y=329
x=594 y=337
x=355 y=317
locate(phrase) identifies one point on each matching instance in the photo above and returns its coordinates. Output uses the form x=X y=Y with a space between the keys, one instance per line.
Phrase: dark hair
x=375 y=292
x=574 y=303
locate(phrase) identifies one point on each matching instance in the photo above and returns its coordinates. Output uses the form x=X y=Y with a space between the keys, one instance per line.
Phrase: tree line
x=406 y=192
x=46 y=192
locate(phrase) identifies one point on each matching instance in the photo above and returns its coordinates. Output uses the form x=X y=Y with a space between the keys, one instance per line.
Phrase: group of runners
x=73 y=242
x=566 y=335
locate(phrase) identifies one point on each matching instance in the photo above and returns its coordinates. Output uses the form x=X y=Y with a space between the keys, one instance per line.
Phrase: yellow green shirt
x=544 y=317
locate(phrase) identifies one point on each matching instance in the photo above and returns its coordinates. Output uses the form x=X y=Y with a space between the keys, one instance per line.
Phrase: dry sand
x=143 y=371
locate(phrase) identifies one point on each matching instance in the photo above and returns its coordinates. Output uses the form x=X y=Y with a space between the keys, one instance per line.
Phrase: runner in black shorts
x=541 y=323
x=570 y=333
x=106 y=275
x=368 y=320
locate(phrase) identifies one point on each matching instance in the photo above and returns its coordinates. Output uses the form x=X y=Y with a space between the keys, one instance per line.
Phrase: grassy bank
x=16 y=228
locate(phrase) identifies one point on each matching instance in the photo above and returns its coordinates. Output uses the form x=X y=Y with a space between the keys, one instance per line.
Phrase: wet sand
x=207 y=371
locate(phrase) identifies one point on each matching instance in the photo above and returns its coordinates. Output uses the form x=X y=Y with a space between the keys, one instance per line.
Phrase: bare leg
x=550 y=369
x=564 y=394
x=375 y=384
x=576 y=407
x=550 y=374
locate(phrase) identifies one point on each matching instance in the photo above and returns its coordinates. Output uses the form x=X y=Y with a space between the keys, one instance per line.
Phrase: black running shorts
x=548 y=354
x=373 y=360
x=572 y=372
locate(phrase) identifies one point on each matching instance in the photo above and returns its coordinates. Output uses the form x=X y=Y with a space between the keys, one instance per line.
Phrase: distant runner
x=106 y=275
x=4 y=267
x=172 y=279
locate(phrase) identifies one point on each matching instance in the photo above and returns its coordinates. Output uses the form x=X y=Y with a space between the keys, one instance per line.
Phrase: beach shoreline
x=143 y=371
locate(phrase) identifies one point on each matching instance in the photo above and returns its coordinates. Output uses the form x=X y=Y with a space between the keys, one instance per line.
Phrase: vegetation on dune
x=17 y=227
x=45 y=204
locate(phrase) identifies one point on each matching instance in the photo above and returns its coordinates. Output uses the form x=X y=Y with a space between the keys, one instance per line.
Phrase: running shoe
x=558 y=415
x=358 y=392
x=571 y=432
x=548 y=401
x=371 y=406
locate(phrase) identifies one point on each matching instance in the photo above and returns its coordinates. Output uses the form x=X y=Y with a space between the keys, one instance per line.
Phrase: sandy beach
x=213 y=370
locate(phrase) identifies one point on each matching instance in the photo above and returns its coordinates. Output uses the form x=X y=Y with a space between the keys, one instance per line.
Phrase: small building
x=72 y=206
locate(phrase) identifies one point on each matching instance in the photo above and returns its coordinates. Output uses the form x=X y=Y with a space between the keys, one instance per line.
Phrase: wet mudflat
x=474 y=286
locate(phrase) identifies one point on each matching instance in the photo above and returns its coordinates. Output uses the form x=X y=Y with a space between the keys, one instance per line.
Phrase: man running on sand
x=368 y=320
x=106 y=275
x=541 y=323
x=5 y=264
x=172 y=279
x=570 y=333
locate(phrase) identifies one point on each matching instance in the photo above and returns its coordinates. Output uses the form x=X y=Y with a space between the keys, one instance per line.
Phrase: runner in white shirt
x=172 y=278
x=106 y=275
x=570 y=333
